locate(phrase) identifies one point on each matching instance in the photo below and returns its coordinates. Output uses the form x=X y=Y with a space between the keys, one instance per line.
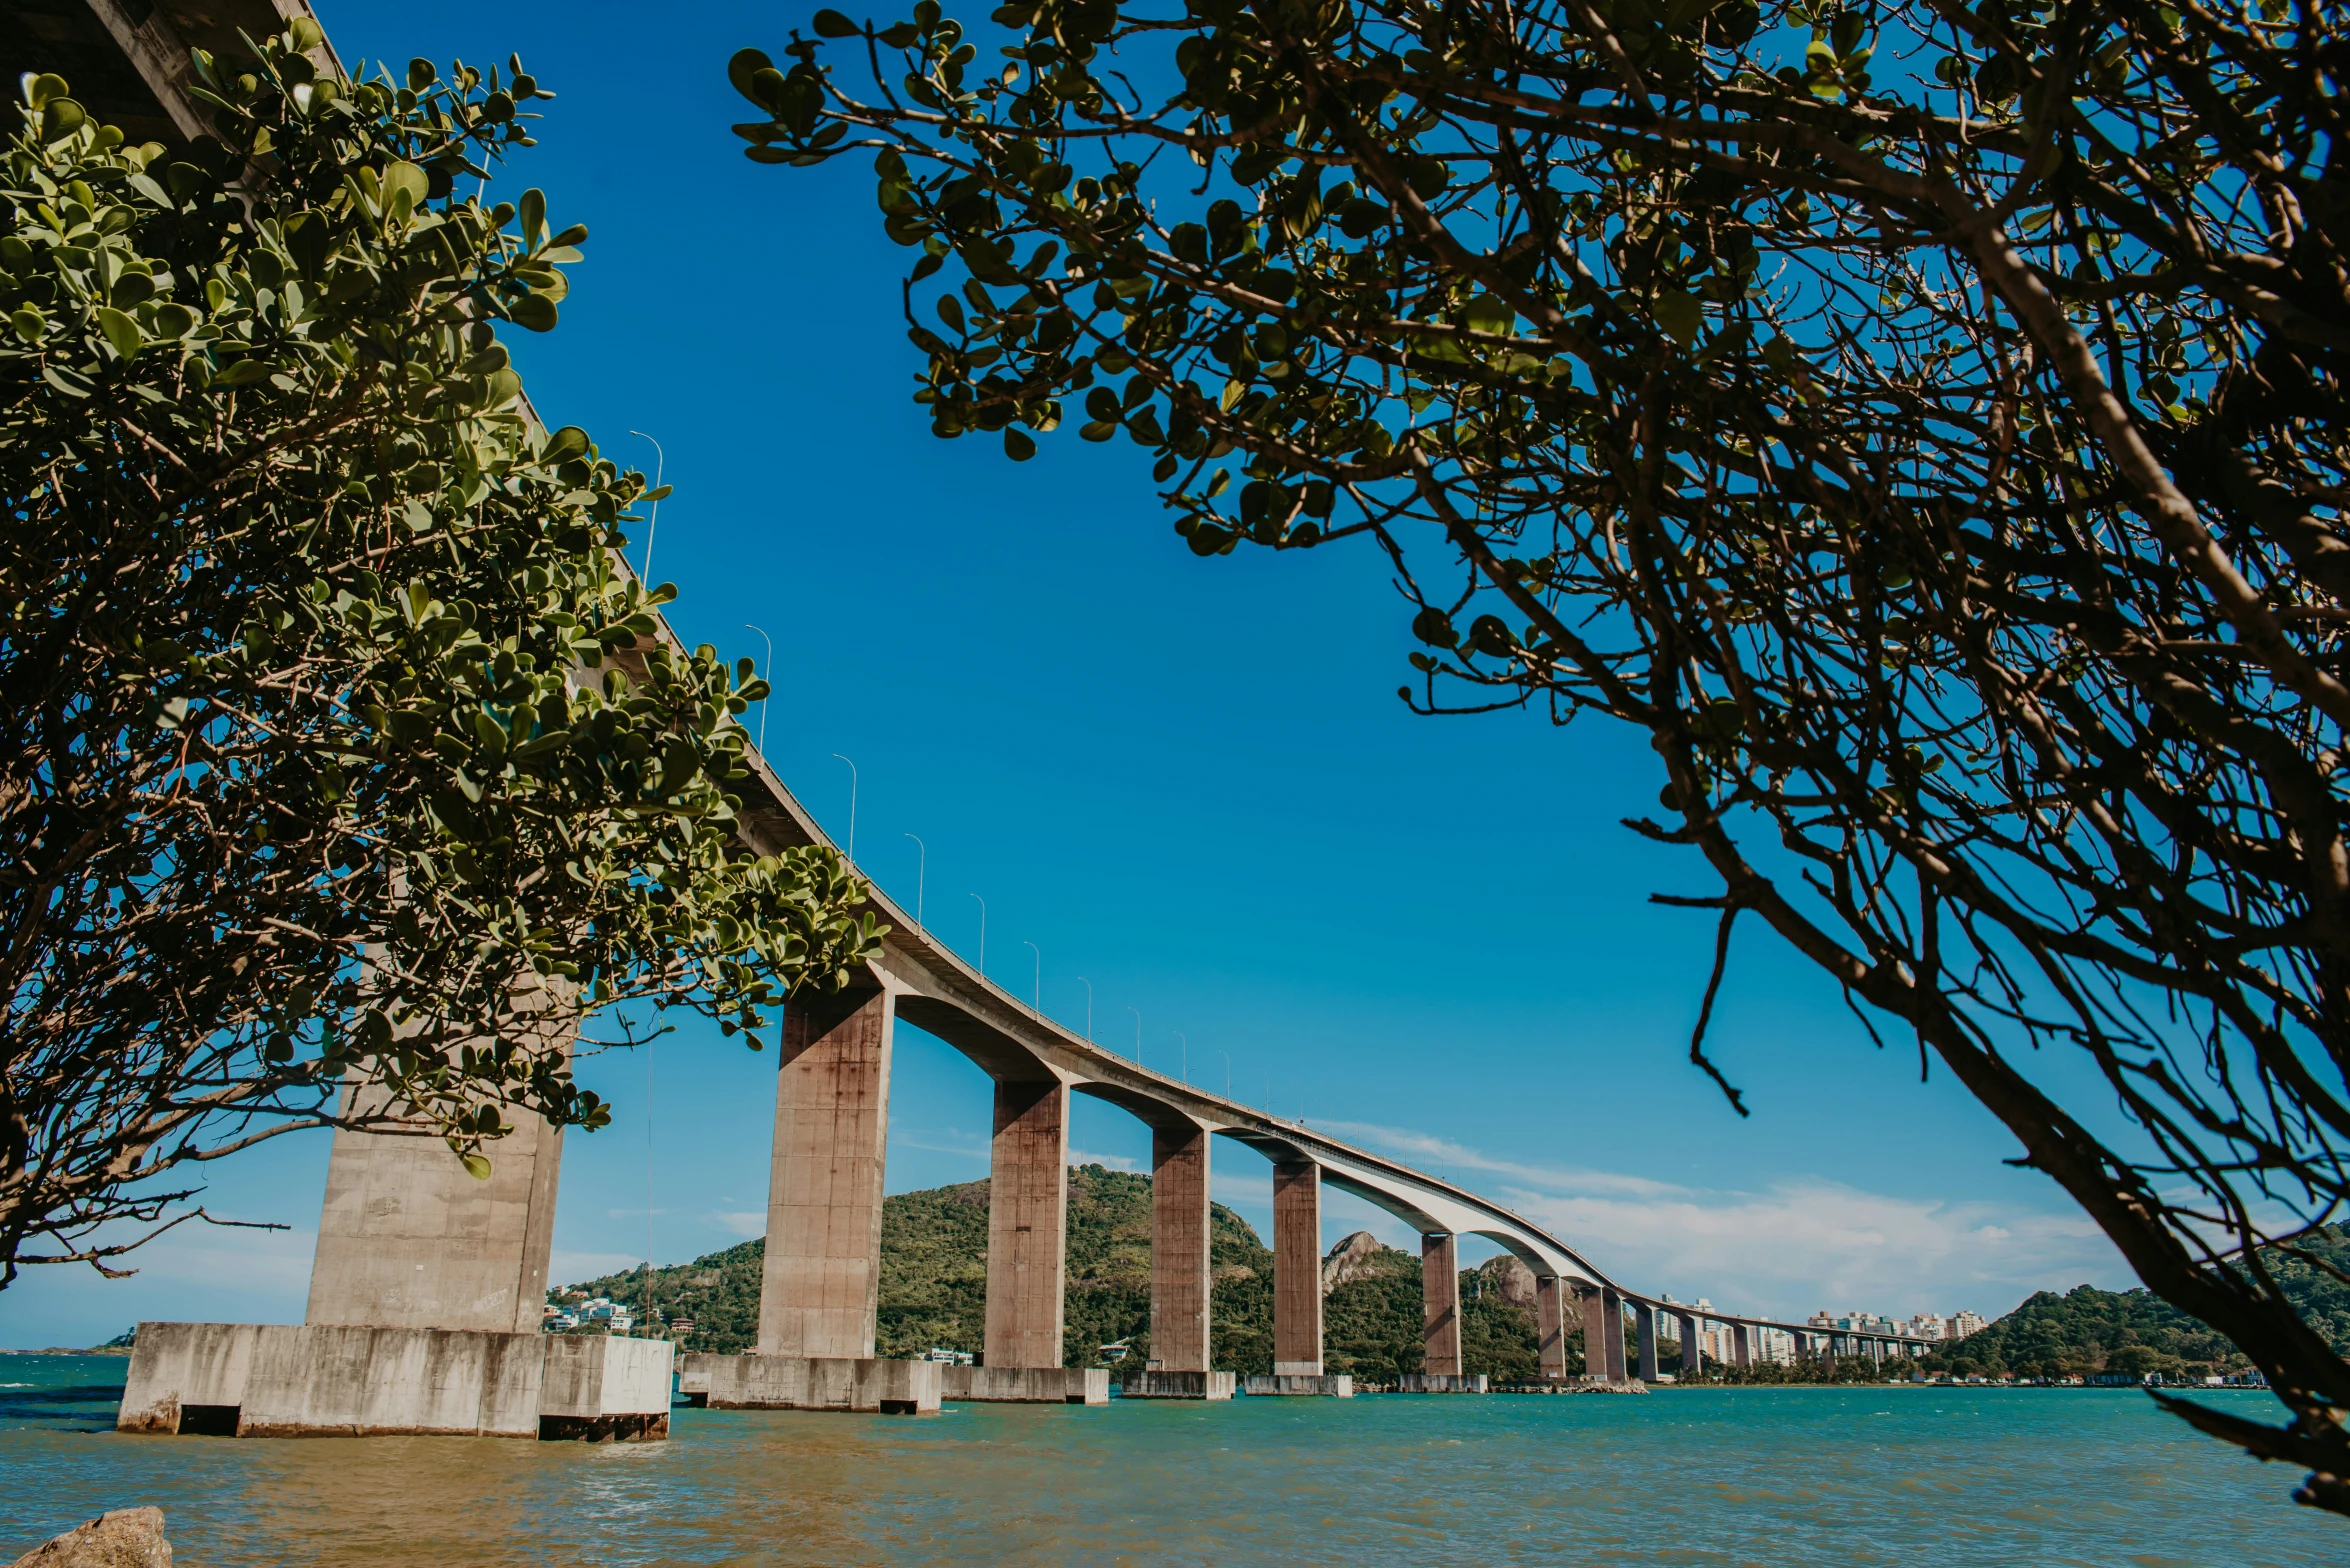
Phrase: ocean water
x=1818 y=1477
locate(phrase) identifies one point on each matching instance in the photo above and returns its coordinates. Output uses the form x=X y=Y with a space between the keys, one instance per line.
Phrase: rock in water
x=125 y=1538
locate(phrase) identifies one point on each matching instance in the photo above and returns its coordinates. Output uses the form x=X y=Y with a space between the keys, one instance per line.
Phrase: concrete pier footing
x=1339 y=1385
x=1160 y=1384
x=1692 y=1353
x=1025 y=1385
x=1440 y=1383
x=343 y=1380
x=862 y=1383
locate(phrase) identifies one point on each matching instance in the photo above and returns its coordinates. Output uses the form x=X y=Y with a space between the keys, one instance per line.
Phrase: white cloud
x=967 y=1145
x=1794 y=1247
x=1443 y=1151
x=1116 y=1162
x=745 y=1225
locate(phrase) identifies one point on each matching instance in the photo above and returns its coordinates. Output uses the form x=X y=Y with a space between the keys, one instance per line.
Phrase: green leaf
x=476 y=1166
x=1679 y=314
x=831 y=24
x=1018 y=445
x=534 y=311
x=120 y=331
x=534 y=216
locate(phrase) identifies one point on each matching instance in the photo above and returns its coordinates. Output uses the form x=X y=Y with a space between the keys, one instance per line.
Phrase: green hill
x=934 y=1288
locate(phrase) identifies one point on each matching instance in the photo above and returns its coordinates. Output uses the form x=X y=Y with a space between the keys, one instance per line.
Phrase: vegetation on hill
x=934 y=1289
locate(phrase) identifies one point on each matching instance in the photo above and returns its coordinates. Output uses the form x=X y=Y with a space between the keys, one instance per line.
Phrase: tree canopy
x=336 y=746
x=1921 y=417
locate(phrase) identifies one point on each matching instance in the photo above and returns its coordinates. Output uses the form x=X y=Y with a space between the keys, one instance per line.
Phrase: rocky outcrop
x=1510 y=1279
x=1361 y=1256
x=125 y=1538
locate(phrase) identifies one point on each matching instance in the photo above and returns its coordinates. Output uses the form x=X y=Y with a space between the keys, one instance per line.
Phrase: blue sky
x=1188 y=782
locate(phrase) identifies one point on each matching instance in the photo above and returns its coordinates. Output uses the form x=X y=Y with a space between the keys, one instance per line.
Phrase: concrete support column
x=821 y=1281
x=1603 y=1335
x=407 y=1239
x=1550 y=1326
x=1877 y=1351
x=1644 y=1325
x=1297 y=1269
x=1180 y=1276
x=1027 y=1223
x=1692 y=1354
x=1440 y=1305
x=1741 y=1344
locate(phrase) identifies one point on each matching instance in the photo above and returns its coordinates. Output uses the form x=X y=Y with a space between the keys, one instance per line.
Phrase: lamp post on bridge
x=1227 y=1055
x=982 y=936
x=660 y=461
x=1036 y=996
x=1088 y=984
x=852 y=808
x=1137 y=1012
x=1185 y=1071
x=765 y=673
x=921 y=871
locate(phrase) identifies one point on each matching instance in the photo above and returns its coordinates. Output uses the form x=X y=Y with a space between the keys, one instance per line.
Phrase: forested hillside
x=934 y=1288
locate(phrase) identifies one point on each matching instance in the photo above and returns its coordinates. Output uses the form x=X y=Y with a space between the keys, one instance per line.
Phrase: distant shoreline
x=68 y=1350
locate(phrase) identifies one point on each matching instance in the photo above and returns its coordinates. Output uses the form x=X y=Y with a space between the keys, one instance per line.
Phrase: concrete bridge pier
x=1182 y=1278
x=1297 y=1287
x=1440 y=1321
x=1027 y=1223
x=1644 y=1326
x=425 y=1299
x=821 y=1282
x=1550 y=1318
x=1603 y=1335
x=1741 y=1345
x=1692 y=1353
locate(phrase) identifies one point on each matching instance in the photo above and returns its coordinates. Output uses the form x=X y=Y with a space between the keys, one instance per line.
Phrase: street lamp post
x=1227 y=1055
x=660 y=462
x=765 y=674
x=1137 y=1012
x=852 y=807
x=1088 y=984
x=921 y=870
x=1185 y=1059
x=1036 y=997
x=982 y=936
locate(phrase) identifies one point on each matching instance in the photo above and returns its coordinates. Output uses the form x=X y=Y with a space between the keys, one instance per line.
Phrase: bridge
x=426 y=1293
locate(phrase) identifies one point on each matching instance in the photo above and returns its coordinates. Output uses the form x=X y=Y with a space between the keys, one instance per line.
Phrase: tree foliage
x=1922 y=417
x=335 y=746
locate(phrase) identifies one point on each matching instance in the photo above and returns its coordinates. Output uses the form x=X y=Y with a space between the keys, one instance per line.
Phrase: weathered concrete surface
x=1180 y=1277
x=1550 y=1326
x=1155 y=1384
x=1644 y=1327
x=1692 y=1354
x=1741 y=1345
x=1297 y=1269
x=599 y=1387
x=889 y=1386
x=408 y=1239
x=1027 y=1226
x=1440 y=1305
x=1321 y=1385
x=1025 y=1385
x=340 y=1380
x=124 y=1538
x=1440 y=1383
x=821 y=1281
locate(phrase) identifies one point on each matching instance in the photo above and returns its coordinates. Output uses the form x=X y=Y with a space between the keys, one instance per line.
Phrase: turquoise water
x=1818 y=1477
